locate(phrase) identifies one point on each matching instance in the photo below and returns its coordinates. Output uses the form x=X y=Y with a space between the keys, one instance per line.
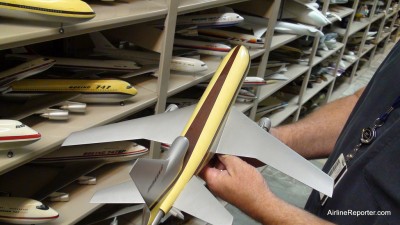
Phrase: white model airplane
x=213 y=126
x=212 y=20
x=182 y=64
x=15 y=210
x=299 y=29
x=307 y=13
x=14 y=134
x=60 y=11
x=24 y=70
x=124 y=66
x=203 y=47
x=75 y=161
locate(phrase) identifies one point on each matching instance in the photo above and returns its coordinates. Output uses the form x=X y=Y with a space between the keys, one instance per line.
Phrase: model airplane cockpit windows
x=42 y=207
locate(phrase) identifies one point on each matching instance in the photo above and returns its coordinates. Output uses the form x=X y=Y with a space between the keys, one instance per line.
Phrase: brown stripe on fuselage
x=197 y=126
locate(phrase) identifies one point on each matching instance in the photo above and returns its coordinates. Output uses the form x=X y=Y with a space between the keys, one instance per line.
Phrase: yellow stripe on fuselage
x=205 y=122
x=74 y=85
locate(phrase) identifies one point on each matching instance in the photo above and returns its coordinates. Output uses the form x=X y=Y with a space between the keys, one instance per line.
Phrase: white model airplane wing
x=164 y=127
x=245 y=138
x=257 y=24
x=206 y=206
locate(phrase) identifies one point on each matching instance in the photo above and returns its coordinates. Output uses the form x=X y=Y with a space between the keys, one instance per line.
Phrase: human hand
x=238 y=183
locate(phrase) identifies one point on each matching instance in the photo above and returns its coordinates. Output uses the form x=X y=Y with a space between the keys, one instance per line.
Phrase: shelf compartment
x=17 y=33
x=280 y=116
x=279 y=40
x=294 y=71
x=367 y=48
x=97 y=114
x=317 y=87
x=341 y=11
x=326 y=54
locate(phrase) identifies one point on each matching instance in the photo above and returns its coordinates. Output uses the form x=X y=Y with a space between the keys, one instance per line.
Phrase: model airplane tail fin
x=153 y=176
x=100 y=41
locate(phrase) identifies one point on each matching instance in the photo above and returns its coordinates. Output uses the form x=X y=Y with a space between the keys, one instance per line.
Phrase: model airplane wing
x=164 y=127
x=207 y=207
x=253 y=143
x=241 y=137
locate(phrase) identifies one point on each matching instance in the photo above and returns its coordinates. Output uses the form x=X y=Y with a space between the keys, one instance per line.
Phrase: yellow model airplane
x=87 y=90
x=169 y=186
x=60 y=11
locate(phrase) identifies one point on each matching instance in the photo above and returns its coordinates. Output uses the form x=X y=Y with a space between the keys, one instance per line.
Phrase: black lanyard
x=368 y=135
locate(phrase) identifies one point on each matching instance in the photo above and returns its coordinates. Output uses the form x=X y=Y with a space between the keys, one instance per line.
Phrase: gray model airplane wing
x=243 y=137
x=123 y=193
x=164 y=127
x=196 y=200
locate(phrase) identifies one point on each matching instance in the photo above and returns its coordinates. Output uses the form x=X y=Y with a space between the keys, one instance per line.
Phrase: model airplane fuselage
x=205 y=124
x=210 y=20
x=15 y=210
x=90 y=90
x=87 y=64
x=182 y=64
x=24 y=70
x=63 y=11
x=109 y=152
x=14 y=134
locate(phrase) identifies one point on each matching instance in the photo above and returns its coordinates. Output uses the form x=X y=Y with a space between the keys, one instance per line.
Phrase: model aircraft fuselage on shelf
x=62 y=11
x=90 y=90
x=15 y=210
x=110 y=152
x=14 y=134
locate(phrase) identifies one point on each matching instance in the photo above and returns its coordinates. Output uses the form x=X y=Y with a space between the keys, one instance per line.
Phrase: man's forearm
x=315 y=135
x=280 y=212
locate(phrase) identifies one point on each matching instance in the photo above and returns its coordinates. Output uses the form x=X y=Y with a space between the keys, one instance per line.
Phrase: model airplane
x=232 y=37
x=24 y=70
x=203 y=47
x=182 y=64
x=109 y=152
x=86 y=64
x=14 y=210
x=213 y=126
x=299 y=29
x=76 y=161
x=14 y=134
x=86 y=90
x=209 y=20
x=60 y=11
x=307 y=13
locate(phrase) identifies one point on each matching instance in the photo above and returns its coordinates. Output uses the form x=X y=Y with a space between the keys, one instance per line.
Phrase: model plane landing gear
x=61 y=29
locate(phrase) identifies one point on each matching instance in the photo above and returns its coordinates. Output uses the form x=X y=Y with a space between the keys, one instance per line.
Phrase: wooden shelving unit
x=154 y=91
